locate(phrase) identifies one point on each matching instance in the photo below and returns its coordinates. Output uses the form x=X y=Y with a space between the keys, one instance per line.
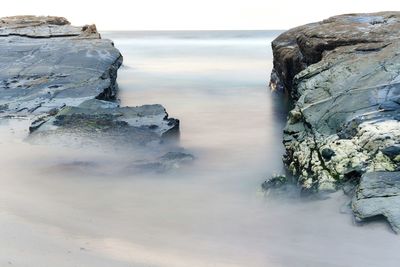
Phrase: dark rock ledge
x=343 y=75
x=63 y=78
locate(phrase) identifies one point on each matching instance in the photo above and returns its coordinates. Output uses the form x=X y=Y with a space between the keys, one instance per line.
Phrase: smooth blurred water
x=216 y=84
x=211 y=213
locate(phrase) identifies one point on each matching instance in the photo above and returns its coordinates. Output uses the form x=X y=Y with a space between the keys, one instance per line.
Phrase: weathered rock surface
x=45 y=64
x=343 y=75
x=379 y=194
x=96 y=121
x=63 y=79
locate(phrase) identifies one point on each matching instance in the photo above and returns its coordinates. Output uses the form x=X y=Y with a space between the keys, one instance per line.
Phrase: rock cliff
x=343 y=75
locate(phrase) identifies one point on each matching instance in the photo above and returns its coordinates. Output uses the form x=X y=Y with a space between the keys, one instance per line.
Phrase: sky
x=194 y=15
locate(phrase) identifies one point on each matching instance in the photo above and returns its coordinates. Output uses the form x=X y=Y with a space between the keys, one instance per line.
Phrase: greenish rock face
x=343 y=74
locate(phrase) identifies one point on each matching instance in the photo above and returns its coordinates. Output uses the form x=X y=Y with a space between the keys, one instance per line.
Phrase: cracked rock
x=101 y=122
x=378 y=194
x=45 y=63
x=343 y=75
x=62 y=78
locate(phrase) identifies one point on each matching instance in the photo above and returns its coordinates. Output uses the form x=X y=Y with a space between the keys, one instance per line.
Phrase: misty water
x=55 y=212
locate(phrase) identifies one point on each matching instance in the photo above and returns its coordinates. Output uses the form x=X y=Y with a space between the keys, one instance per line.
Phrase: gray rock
x=389 y=106
x=102 y=122
x=392 y=151
x=169 y=161
x=378 y=194
x=37 y=27
x=343 y=74
x=274 y=182
x=45 y=63
x=63 y=78
x=327 y=153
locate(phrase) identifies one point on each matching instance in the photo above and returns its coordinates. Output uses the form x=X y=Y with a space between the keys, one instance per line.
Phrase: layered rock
x=379 y=194
x=63 y=79
x=45 y=64
x=343 y=75
x=96 y=122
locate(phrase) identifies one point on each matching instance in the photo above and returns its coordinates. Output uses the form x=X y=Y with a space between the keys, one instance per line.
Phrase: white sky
x=193 y=14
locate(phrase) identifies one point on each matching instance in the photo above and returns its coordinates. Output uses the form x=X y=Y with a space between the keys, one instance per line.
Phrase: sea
x=211 y=213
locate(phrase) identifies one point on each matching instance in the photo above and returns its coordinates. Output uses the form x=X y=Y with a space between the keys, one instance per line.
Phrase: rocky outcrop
x=379 y=195
x=63 y=79
x=343 y=75
x=96 y=122
x=45 y=64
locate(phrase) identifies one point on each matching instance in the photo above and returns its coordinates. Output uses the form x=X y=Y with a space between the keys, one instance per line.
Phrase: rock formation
x=46 y=64
x=343 y=75
x=63 y=78
x=379 y=194
x=97 y=121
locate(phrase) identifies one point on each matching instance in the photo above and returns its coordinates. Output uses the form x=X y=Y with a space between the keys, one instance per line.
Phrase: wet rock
x=274 y=182
x=392 y=151
x=167 y=162
x=349 y=189
x=75 y=166
x=282 y=187
x=63 y=78
x=101 y=121
x=342 y=74
x=378 y=194
x=389 y=106
x=327 y=153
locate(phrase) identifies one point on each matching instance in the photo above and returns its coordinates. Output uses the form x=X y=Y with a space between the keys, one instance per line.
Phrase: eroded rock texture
x=97 y=122
x=379 y=194
x=63 y=79
x=45 y=64
x=343 y=74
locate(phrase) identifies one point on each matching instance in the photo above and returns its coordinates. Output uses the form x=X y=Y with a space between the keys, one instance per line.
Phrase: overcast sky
x=193 y=14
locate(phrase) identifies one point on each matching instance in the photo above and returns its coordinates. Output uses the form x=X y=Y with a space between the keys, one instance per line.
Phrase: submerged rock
x=165 y=163
x=378 y=194
x=105 y=122
x=274 y=182
x=343 y=75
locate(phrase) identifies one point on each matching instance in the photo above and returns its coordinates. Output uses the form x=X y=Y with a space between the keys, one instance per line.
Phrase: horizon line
x=187 y=30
